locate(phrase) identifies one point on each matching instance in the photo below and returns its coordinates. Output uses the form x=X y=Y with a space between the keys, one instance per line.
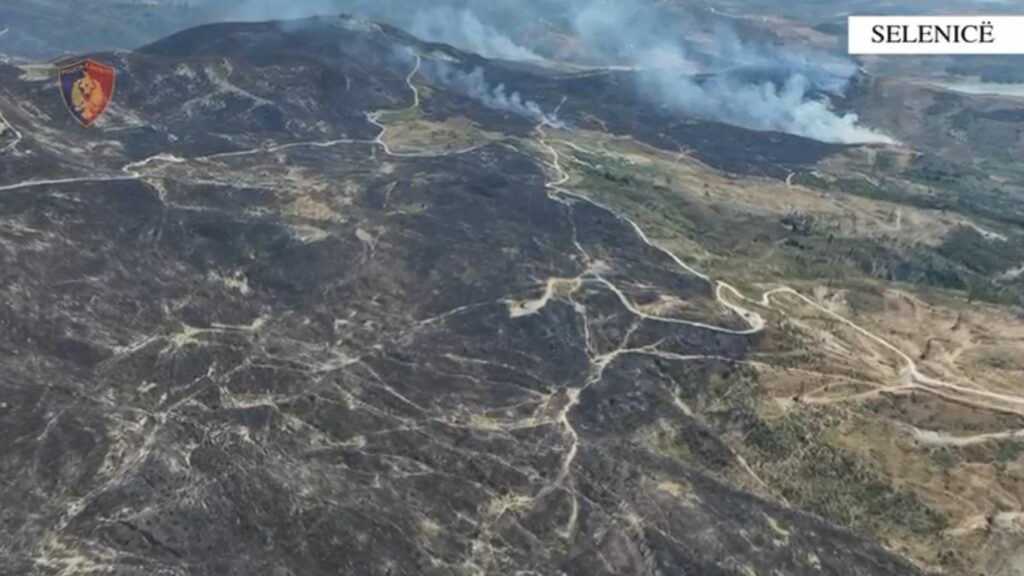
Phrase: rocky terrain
x=226 y=357
x=299 y=305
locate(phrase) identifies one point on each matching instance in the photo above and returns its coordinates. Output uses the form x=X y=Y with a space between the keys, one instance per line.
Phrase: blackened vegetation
x=615 y=100
x=200 y=378
x=612 y=101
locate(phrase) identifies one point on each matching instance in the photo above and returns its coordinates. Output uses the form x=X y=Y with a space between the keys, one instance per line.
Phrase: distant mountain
x=48 y=29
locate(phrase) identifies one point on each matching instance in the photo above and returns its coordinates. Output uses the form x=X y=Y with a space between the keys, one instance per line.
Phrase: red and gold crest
x=87 y=88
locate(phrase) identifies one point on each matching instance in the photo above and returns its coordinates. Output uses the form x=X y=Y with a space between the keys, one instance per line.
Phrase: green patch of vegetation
x=884 y=162
x=932 y=169
x=1009 y=451
x=692 y=442
x=801 y=456
x=637 y=192
x=664 y=441
x=985 y=256
x=944 y=458
x=865 y=298
x=617 y=177
x=799 y=245
x=888 y=191
x=966 y=262
x=811 y=180
x=966 y=189
x=1002 y=360
x=951 y=186
x=405 y=115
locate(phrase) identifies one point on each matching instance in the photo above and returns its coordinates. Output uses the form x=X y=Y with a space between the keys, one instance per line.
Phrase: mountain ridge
x=312 y=351
x=316 y=297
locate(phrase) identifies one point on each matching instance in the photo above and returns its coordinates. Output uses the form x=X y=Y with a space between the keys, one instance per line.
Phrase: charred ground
x=242 y=335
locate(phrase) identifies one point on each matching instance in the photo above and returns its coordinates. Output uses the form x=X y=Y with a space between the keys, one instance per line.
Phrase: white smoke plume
x=750 y=84
x=762 y=106
x=474 y=85
x=460 y=27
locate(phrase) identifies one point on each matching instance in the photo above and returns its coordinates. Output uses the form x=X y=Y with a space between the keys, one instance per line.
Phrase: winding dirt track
x=754 y=320
x=8 y=126
x=130 y=171
x=728 y=296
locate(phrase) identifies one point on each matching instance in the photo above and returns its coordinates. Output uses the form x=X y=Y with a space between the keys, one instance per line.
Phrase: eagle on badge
x=87 y=88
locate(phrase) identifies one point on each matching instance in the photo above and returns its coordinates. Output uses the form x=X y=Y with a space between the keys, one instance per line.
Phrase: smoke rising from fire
x=753 y=84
